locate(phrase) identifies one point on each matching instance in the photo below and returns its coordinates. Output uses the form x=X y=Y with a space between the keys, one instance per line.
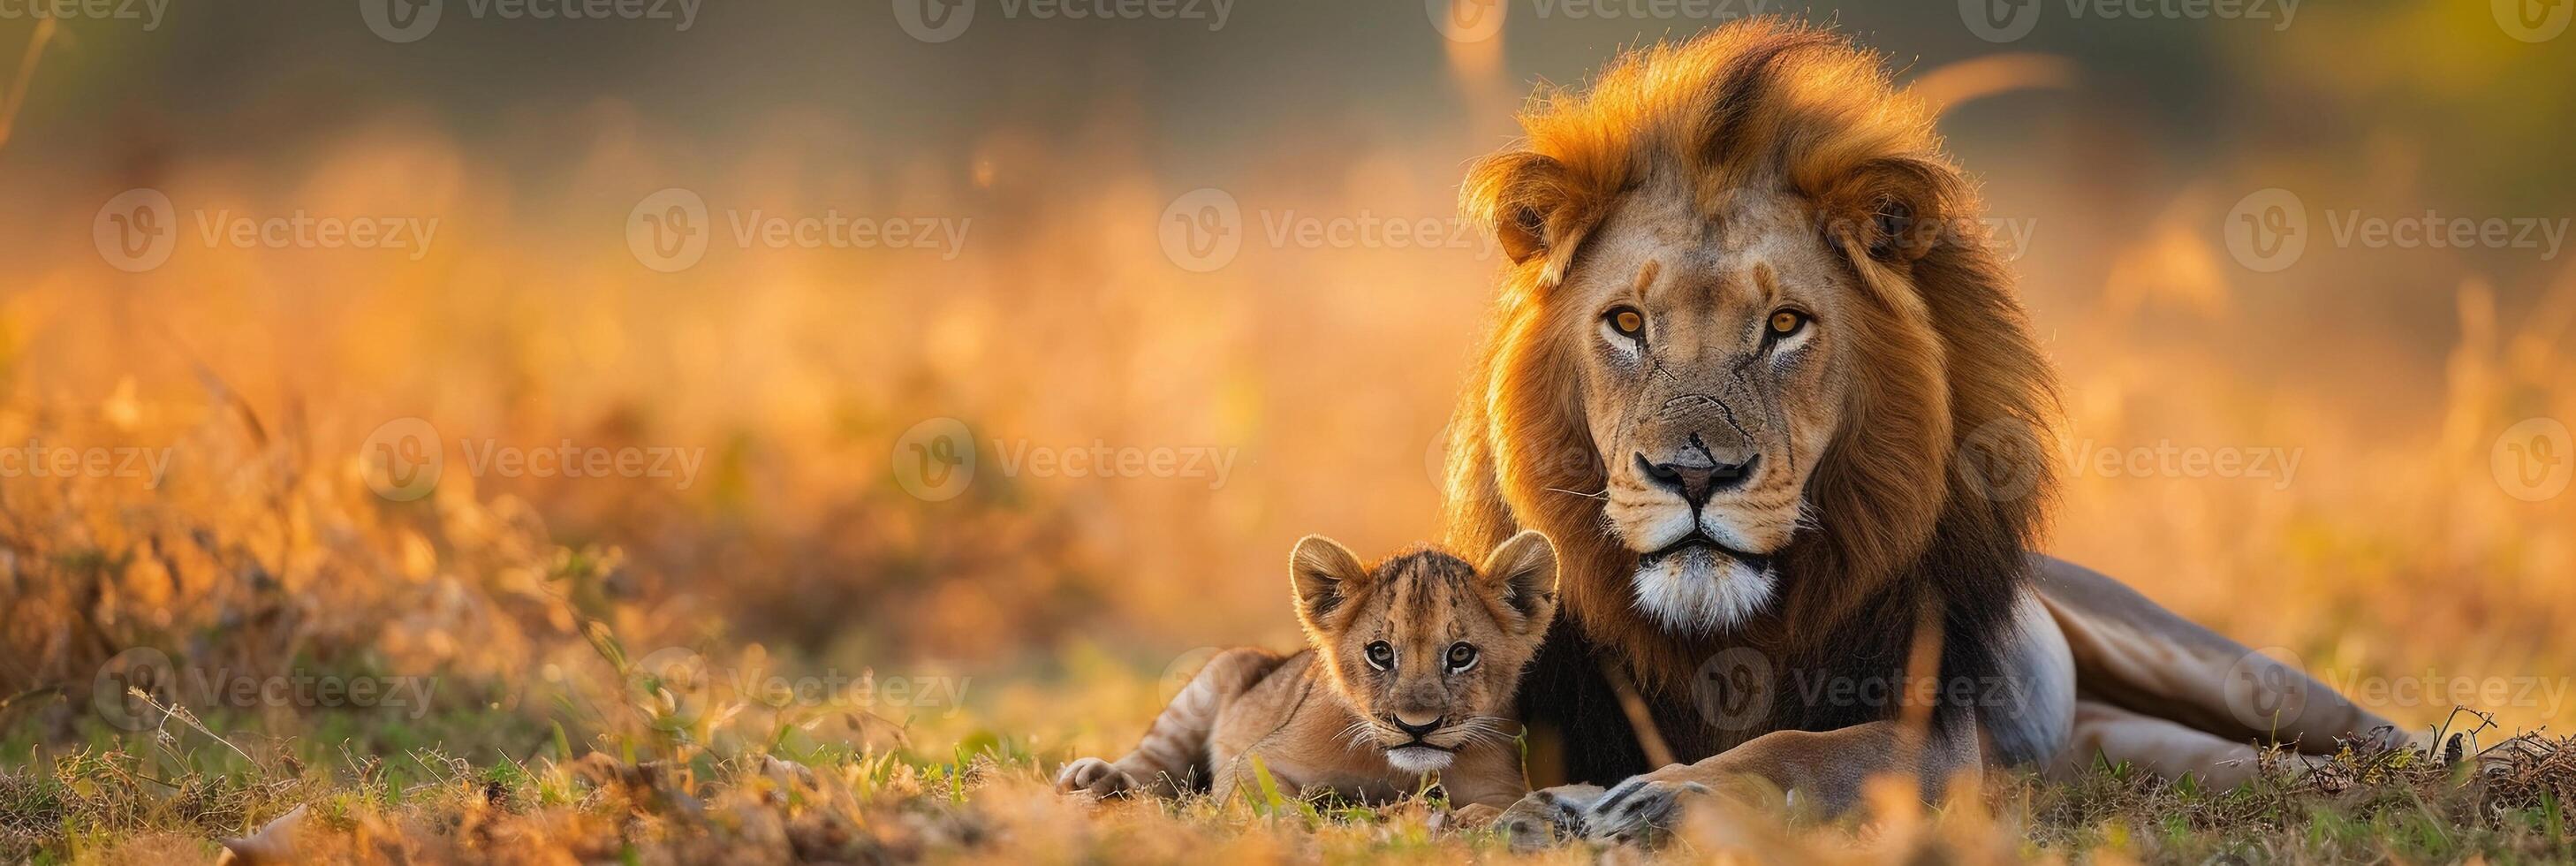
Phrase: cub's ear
x=1522 y=574
x=1325 y=576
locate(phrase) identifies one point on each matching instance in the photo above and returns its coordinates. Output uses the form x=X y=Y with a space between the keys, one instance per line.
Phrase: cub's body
x=1411 y=672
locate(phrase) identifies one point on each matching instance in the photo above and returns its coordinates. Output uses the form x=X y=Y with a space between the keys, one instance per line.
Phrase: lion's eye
x=1627 y=321
x=1786 y=322
x=1462 y=656
x=1380 y=656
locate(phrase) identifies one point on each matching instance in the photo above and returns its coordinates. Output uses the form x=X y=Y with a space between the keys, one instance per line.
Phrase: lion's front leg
x=1824 y=771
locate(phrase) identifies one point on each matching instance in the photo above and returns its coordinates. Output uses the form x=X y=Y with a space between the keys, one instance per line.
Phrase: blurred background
x=1010 y=344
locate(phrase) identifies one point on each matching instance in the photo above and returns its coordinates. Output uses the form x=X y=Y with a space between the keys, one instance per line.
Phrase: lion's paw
x=1638 y=810
x=1095 y=777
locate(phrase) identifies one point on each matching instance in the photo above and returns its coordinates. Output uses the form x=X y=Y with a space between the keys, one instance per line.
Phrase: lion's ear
x=1891 y=210
x=1324 y=576
x=1522 y=574
x=1531 y=204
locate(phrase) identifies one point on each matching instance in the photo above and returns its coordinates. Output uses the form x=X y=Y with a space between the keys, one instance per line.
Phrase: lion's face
x=1425 y=648
x=1712 y=379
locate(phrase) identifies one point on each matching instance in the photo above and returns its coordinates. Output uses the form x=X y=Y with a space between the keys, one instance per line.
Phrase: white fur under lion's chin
x=1699 y=591
x=1418 y=759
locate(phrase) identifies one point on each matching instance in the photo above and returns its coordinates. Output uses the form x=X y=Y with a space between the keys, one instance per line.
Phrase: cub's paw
x=1547 y=816
x=1474 y=816
x=1637 y=810
x=1095 y=777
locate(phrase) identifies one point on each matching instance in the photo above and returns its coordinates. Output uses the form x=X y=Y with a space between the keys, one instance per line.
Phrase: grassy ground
x=684 y=771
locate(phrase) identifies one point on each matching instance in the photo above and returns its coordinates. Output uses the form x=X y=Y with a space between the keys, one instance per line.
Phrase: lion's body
x=1411 y=669
x=1824 y=527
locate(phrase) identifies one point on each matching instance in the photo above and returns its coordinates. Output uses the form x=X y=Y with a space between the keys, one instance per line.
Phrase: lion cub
x=1410 y=670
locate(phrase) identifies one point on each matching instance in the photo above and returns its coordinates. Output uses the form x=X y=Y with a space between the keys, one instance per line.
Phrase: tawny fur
x=1330 y=719
x=1760 y=159
x=1902 y=419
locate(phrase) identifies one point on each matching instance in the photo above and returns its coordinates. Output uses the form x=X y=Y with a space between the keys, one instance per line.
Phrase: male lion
x=1757 y=372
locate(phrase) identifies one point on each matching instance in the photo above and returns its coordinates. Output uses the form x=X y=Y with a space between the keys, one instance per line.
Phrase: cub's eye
x=1380 y=656
x=1462 y=656
x=1627 y=321
x=1786 y=322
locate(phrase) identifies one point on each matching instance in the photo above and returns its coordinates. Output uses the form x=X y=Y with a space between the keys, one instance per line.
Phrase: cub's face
x=1426 y=647
x=1713 y=353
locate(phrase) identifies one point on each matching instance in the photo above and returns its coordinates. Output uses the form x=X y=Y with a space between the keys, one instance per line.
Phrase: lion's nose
x=1416 y=730
x=1697 y=482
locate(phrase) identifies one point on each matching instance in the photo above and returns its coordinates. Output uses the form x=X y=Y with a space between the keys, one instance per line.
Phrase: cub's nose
x=1696 y=483
x=1414 y=730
